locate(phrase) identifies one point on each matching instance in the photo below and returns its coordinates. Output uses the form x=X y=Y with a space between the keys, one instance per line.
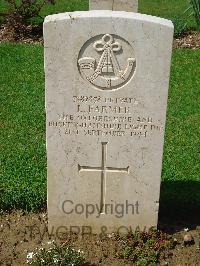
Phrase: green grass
x=182 y=141
x=3 y=6
x=171 y=9
x=180 y=190
x=22 y=139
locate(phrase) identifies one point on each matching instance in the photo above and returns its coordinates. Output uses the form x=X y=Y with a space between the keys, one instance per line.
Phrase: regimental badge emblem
x=107 y=62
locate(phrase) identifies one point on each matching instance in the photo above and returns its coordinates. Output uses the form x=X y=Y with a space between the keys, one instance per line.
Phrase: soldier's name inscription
x=101 y=116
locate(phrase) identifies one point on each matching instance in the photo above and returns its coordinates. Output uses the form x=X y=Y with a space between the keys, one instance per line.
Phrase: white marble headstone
x=115 y=5
x=107 y=76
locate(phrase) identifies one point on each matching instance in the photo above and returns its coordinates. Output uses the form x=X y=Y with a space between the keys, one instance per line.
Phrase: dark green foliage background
x=22 y=139
x=171 y=9
x=22 y=119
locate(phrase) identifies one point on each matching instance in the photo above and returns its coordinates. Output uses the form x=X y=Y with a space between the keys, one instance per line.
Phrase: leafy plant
x=145 y=248
x=26 y=9
x=195 y=5
x=180 y=26
x=181 y=23
x=56 y=255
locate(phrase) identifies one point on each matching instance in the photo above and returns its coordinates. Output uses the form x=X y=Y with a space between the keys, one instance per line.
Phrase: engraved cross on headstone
x=103 y=169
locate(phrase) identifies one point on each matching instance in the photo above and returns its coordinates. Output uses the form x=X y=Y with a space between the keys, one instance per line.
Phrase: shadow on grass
x=180 y=203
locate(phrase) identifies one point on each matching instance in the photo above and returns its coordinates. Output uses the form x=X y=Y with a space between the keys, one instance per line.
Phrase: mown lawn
x=171 y=9
x=180 y=190
x=22 y=138
x=22 y=141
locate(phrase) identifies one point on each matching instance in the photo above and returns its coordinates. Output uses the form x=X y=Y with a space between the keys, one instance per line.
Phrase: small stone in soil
x=188 y=239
